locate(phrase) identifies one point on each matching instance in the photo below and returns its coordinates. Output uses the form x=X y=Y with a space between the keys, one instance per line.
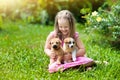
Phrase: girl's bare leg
x=52 y=61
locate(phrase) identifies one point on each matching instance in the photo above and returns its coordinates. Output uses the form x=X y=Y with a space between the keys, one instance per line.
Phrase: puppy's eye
x=57 y=42
x=51 y=42
x=73 y=42
x=70 y=42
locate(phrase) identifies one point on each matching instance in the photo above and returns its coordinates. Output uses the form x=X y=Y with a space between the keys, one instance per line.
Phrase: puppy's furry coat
x=69 y=46
x=57 y=49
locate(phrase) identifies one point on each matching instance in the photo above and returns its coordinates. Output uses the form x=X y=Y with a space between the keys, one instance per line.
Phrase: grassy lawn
x=22 y=55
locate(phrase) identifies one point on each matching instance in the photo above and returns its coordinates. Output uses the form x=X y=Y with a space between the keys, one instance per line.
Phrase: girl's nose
x=63 y=28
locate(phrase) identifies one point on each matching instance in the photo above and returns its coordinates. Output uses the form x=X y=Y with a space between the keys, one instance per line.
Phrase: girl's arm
x=47 y=49
x=81 y=48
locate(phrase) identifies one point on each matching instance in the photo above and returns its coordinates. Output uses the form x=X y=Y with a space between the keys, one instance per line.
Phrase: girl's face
x=64 y=26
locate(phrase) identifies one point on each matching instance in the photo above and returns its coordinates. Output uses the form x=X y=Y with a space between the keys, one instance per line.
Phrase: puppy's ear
x=66 y=41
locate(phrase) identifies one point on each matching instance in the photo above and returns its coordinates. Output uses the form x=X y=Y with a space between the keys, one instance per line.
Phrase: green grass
x=22 y=55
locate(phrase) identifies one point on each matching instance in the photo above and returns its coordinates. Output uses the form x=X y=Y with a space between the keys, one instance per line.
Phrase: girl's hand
x=52 y=55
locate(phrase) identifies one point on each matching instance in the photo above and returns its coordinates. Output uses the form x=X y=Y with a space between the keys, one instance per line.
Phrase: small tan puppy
x=57 y=49
x=69 y=46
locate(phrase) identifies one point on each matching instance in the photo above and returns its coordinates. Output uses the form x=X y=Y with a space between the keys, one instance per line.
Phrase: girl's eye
x=66 y=27
x=60 y=27
x=63 y=27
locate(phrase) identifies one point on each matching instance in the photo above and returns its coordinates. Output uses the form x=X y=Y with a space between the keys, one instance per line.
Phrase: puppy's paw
x=58 y=62
x=65 y=62
x=74 y=59
x=68 y=61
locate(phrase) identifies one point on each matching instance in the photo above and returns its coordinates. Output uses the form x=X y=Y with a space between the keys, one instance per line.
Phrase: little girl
x=64 y=27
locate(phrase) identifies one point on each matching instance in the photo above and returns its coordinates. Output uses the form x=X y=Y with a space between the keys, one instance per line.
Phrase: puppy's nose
x=55 y=46
x=71 y=46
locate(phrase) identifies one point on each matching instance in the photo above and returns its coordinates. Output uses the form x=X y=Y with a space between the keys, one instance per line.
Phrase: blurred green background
x=44 y=11
x=25 y=24
x=107 y=19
